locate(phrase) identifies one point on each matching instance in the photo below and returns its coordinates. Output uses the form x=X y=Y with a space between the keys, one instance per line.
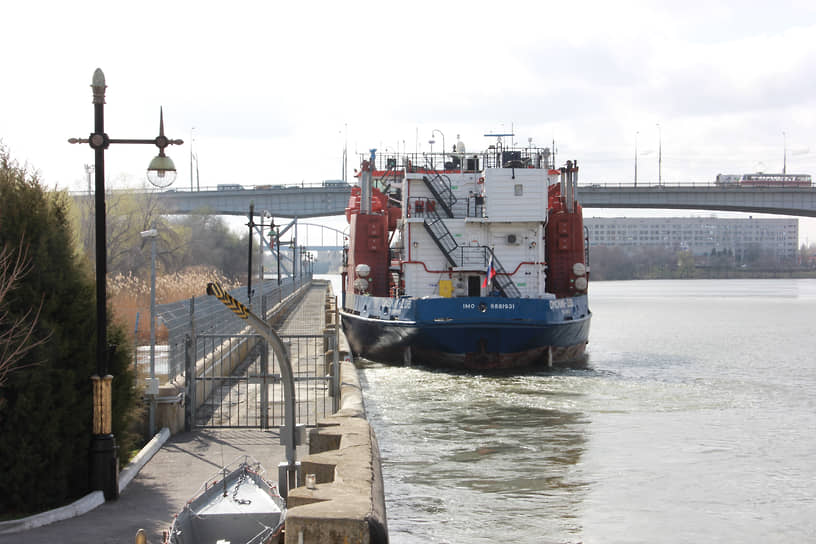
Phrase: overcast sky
x=274 y=89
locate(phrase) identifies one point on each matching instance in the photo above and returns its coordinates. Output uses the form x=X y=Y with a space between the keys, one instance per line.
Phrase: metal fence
x=207 y=315
x=239 y=383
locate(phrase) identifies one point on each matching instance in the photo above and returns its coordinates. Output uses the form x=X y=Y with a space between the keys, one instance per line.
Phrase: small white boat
x=236 y=506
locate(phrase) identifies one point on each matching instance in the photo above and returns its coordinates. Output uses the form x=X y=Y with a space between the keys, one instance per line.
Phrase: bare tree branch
x=15 y=335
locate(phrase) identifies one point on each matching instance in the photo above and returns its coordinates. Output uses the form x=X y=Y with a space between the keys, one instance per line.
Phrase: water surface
x=693 y=421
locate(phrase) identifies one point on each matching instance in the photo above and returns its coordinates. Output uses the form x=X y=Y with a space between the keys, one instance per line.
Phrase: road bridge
x=307 y=201
x=799 y=201
x=279 y=200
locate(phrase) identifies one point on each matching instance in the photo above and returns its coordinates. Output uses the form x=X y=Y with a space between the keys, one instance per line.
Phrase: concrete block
x=170 y=407
x=348 y=503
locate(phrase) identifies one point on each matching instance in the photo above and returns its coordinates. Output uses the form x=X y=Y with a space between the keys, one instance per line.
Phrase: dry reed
x=129 y=296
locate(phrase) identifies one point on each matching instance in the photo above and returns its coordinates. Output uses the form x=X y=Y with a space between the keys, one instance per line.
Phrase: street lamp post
x=636 y=138
x=153 y=388
x=261 y=244
x=161 y=173
x=444 y=149
x=277 y=244
x=293 y=247
x=659 y=156
x=251 y=225
x=784 y=153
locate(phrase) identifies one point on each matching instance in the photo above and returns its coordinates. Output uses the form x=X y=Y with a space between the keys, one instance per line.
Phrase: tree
x=209 y=242
x=195 y=240
x=15 y=334
x=128 y=213
x=685 y=264
x=46 y=417
x=610 y=263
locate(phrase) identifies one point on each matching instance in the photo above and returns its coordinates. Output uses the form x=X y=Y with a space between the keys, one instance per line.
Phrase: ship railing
x=473 y=257
x=496 y=156
x=392 y=175
x=502 y=280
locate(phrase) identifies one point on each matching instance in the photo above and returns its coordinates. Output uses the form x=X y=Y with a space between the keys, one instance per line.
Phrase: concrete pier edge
x=347 y=504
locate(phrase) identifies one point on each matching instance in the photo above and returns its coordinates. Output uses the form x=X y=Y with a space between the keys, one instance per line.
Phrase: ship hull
x=479 y=333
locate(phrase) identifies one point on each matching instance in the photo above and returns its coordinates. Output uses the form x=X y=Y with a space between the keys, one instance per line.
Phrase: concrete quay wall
x=346 y=505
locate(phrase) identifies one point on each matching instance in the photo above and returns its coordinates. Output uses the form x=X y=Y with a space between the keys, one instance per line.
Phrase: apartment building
x=700 y=235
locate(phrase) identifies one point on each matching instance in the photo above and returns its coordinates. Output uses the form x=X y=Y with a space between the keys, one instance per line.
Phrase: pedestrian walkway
x=177 y=471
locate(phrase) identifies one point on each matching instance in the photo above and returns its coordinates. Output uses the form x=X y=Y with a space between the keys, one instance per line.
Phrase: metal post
x=294 y=254
x=277 y=240
x=294 y=261
x=636 y=142
x=264 y=384
x=104 y=458
x=104 y=462
x=659 y=155
x=336 y=360
x=99 y=143
x=249 y=255
x=260 y=256
x=189 y=378
x=784 y=153
x=153 y=391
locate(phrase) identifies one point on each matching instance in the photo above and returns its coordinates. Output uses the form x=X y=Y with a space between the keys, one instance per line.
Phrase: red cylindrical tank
x=369 y=245
x=565 y=248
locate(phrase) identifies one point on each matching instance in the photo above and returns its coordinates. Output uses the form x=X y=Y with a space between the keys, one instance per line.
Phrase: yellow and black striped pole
x=288 y=472
x=215 y=289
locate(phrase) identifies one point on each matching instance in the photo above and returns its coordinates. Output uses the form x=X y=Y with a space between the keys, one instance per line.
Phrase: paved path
x=177 y=471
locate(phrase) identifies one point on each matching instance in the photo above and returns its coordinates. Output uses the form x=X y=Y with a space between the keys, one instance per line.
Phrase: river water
x=694 y=421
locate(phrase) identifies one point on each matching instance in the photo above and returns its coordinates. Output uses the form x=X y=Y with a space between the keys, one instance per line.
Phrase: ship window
x=519 y=189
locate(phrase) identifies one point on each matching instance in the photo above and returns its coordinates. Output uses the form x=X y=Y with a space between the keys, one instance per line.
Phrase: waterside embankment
x=346 y=504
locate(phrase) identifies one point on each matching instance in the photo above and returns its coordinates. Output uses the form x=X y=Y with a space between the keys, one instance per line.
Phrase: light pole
x=153 y=388
x=251 y=225
x=659 y=156
x=444 y=149
x=784 y=153
x=636 y=136
x=194 y=157
x=293 y=247
x=261 y=250
x=277 y=243
x=161 y=172
x=192 y=141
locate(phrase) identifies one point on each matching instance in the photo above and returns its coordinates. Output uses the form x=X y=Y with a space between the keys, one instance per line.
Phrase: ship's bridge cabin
x=476 y=224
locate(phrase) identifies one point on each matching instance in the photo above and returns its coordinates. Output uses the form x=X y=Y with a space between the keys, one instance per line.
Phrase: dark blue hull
x=471 y=333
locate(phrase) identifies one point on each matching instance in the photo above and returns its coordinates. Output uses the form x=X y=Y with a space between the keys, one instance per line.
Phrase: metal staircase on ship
x=440 y=187
x=456 y=255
